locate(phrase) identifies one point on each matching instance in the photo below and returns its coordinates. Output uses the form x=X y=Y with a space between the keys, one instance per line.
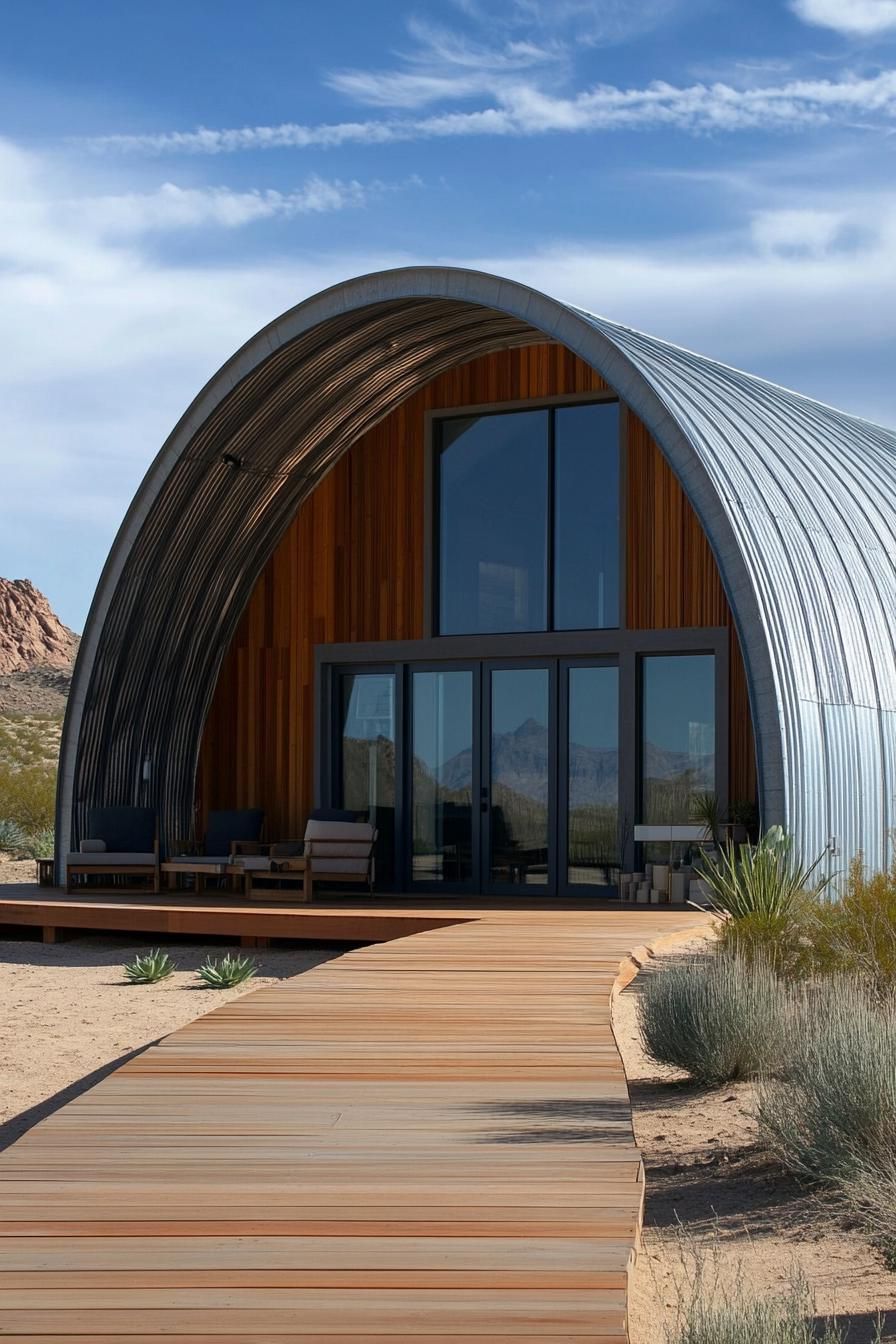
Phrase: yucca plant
x=227 y=972
x=148 y=968
x=763 y=880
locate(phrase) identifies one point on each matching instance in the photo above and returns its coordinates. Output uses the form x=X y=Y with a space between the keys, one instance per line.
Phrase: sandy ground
x=17 y=870
x=68 y=1016
x=705 y=1169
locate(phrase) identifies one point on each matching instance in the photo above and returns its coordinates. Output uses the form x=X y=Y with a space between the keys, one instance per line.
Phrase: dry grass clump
x=831 y=1113
x=717 y=1017
x=715 y=1307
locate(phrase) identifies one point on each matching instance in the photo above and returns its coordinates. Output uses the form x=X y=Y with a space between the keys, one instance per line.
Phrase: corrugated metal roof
x=795 y=498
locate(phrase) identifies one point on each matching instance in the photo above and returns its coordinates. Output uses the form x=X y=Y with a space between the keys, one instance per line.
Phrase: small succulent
x=227 y=972
x=149 y=967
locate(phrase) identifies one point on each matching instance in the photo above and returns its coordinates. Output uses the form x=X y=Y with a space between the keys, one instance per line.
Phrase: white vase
x=654 y=896
x=661 y=876
x=643 y=893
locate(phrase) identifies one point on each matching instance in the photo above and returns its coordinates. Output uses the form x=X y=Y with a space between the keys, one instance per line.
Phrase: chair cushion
x=124 y=829
x=238 y=823
x=106 y=859
x=358 y=831
x=334 y=814
x=338 y=865
x=92 y=846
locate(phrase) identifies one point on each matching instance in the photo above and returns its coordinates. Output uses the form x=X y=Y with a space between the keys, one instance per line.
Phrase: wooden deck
x=424 y=1139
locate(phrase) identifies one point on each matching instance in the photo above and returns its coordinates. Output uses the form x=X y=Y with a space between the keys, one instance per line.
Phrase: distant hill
x=37 y=652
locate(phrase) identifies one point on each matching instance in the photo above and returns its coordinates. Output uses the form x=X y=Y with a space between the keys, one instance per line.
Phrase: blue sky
x=173 y=175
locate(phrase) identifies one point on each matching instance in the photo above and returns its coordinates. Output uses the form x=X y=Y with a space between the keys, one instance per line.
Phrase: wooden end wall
x=350 y=568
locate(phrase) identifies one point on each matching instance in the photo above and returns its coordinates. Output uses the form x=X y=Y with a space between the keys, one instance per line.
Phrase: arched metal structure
x=795 y=499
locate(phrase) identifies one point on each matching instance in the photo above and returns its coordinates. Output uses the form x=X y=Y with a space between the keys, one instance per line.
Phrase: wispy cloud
x=854 y=18
x=171 y=207
x=523 y=109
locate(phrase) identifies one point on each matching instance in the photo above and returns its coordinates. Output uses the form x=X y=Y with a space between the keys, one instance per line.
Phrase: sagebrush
x=831 y=1109
x=717 y=1017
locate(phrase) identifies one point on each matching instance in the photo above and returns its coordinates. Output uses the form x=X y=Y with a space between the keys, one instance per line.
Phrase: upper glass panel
x=678 y=751
x=586 y=516
x=528 y=516
x=493 y=488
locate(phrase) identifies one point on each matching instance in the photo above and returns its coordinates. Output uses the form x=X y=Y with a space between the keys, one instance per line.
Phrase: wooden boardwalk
x=426 y=1139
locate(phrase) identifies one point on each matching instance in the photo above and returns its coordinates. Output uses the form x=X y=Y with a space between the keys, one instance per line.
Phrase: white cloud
x=522 y=108
x=171 y=207
x=854 y=18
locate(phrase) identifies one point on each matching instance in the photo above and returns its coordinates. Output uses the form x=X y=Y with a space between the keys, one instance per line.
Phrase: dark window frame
x=432 y=511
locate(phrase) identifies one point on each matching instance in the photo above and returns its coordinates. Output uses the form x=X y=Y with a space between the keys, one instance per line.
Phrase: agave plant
x=149 y=967
x=227 y=972
x=11 y=837
x=763 y=880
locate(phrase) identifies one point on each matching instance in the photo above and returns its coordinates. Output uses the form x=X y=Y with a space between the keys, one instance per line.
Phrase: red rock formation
x=30 y=634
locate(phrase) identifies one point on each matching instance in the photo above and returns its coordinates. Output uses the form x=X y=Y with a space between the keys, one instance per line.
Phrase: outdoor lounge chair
x=341 y=851
x=227 y=833
x=120 y=842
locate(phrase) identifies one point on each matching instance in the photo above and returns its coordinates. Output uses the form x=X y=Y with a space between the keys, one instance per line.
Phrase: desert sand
x=68 y=1016
x=705 y=1168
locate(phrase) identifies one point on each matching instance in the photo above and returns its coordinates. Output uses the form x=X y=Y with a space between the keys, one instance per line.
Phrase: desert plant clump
x=12 y=837
x=719 y=1017
x=39 y=844
x=229 y=971
x=716 y=1304
x=856 y=935
x=830 y=1113
x=149 y=967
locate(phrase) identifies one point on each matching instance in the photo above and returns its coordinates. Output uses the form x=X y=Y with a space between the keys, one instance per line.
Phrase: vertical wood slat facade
x=350 y=568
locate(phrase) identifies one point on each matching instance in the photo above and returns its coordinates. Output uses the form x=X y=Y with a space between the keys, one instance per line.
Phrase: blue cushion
x=123 y=828
x=222 y=828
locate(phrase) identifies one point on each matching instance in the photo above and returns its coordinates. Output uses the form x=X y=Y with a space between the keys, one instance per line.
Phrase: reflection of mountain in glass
x=671 y=778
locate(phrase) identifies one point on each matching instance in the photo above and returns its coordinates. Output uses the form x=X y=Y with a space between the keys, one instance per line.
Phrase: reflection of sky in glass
x=679 y=703
x=518 y=694
x=442 y=716
x=586 y=527
x=594 y=707
x=493 y=523
x=369 y=705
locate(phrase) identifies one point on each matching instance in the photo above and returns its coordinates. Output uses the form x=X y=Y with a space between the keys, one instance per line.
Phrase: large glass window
x=586 y=517
x=678 y=746
x=528 y=520
x=493 y=478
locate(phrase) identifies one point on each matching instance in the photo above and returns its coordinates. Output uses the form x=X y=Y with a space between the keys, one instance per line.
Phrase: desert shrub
x=227 y=972
x=28 y=795
x=715 y=1304
x=39 y=845
x=12 y=837
x=149 y=967
x=831 y=1109
x=739 y=1318
x=856 y=935
x=868 y=1194
x=718 y=1018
